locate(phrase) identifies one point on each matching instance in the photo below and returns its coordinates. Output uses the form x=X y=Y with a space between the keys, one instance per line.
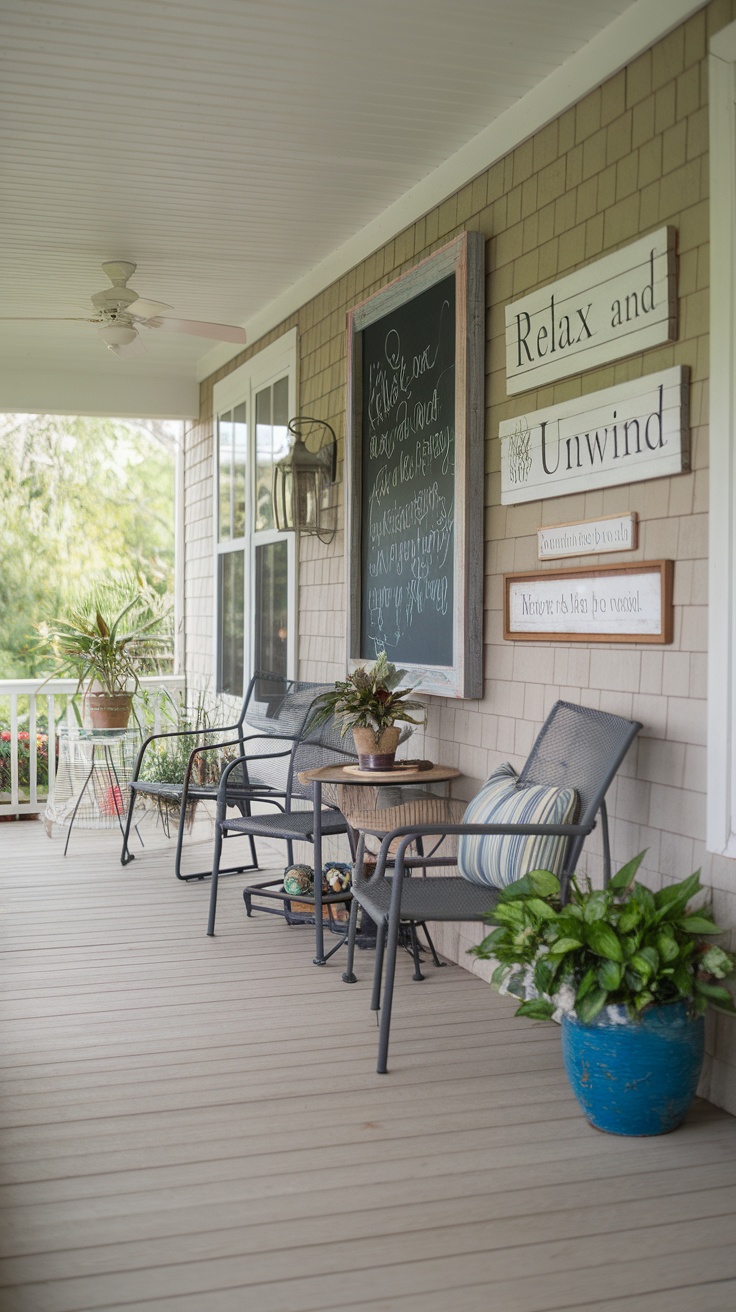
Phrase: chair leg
x=348 y=975
x=180 y=841
x=378 y=967
x=603 y=812
x=213 y=885
x=126 y=856
x=415 y=951
x=422 y=925
x=388 y=995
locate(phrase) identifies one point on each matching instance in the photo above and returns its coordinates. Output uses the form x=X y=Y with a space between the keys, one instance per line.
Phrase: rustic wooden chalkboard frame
x=663 y=568
x=465 y=258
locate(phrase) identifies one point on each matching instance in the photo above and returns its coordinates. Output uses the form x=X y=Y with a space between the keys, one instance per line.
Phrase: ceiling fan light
x=117 y=334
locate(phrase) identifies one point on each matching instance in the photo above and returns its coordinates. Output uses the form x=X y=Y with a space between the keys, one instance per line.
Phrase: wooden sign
x=621 y=304
x=414 y=461
x=599 y=603
x=588 y=537
x=625 y=434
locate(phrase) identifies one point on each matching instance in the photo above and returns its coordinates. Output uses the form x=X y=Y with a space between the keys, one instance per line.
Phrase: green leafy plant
x=622 y=945
x=368 y=699
x=109 y=637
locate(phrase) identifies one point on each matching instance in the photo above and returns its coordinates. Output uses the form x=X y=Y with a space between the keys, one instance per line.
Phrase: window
x=255 y=569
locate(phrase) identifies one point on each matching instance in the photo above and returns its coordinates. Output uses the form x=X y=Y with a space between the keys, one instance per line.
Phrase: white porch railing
x=30 y=714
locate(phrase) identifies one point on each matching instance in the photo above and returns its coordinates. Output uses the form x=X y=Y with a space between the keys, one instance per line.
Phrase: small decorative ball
x=336 y=877
x=298 y=879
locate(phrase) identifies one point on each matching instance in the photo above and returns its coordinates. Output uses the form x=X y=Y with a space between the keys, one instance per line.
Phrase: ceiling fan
x=119 y=314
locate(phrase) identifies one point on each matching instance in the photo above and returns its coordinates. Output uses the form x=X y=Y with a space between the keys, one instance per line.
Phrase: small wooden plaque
x=588 y=537
x=598 y=603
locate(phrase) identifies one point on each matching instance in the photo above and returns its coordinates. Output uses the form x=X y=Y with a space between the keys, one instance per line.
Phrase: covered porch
x=196 y=1123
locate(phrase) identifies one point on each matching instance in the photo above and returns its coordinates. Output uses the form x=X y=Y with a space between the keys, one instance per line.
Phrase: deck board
x=195 y=1125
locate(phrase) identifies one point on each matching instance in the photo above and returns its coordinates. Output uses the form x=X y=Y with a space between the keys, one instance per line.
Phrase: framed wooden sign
x=625 y=434
x=597 y=603
x=589 y=537
x=616 y=306
x=414 y=472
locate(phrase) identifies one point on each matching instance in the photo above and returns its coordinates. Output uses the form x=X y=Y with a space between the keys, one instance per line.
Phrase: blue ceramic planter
x=638 y=1077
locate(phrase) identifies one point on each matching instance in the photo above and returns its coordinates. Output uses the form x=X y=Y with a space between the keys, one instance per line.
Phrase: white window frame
x=721 y=802
x=276 y=361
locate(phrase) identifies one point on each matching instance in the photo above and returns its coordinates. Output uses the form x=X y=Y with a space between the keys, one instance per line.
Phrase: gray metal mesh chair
x=293 y=822
x=274 y=708
x=577 y=747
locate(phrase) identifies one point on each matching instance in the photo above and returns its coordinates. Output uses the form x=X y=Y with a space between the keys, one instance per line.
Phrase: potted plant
x=629 y=973
x=106 y=640
x=166 y=760
x=371 y=703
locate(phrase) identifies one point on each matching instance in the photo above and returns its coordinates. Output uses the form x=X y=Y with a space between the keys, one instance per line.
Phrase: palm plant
x=108 y=637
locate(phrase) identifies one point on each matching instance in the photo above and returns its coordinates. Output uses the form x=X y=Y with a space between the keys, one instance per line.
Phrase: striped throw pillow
x=499 y=860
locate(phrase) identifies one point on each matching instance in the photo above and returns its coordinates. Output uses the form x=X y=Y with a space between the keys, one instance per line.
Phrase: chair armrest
x=175 y=733
x=407 y=834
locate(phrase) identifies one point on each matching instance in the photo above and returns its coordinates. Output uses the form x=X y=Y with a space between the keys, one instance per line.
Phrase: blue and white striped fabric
x=499 y=860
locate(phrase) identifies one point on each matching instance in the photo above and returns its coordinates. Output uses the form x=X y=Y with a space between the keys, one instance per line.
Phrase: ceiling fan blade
x=143 y=309
x=44 y=318
x=220 y=332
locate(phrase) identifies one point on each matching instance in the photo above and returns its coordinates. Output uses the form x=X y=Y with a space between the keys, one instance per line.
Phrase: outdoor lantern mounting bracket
x=304 y=479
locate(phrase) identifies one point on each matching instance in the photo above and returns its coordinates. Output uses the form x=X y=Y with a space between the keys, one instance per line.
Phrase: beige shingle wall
x=630 y=157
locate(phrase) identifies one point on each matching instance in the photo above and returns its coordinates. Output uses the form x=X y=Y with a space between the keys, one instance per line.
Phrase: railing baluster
x=51 y=720
x=158 y=699
x=14 y=799
x=32 y=751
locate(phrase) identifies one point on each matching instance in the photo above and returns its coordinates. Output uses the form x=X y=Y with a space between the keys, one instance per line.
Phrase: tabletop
x=401 y=774
x=80 y=733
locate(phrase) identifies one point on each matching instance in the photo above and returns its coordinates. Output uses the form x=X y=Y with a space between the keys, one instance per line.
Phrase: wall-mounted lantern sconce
x=303 y=480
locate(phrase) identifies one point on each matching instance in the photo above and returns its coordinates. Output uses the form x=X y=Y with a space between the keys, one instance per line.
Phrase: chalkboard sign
x=415 y=472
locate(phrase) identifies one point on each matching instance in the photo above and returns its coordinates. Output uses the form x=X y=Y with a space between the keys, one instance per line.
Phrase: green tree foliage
x=84 y=501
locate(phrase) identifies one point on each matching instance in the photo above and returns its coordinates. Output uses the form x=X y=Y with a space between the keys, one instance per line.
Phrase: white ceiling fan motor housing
x=114 y=300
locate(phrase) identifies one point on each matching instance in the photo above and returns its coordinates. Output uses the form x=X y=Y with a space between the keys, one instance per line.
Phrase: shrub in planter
x=166 y=761
x=629 y=973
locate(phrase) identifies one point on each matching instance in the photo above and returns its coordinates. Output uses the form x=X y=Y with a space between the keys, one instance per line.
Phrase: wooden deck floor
x=197 y=1125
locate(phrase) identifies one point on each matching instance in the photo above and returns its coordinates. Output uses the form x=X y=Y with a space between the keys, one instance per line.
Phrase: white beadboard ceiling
x=242 y=152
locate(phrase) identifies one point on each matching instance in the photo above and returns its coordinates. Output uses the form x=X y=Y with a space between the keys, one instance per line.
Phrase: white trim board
x=642 y=24
x=721 y=750
x=103 y=393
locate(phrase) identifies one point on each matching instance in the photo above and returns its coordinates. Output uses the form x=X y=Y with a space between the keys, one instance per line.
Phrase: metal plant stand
x=91 y=786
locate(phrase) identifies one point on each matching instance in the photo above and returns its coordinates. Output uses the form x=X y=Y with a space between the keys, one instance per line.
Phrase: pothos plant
x=621 y=946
